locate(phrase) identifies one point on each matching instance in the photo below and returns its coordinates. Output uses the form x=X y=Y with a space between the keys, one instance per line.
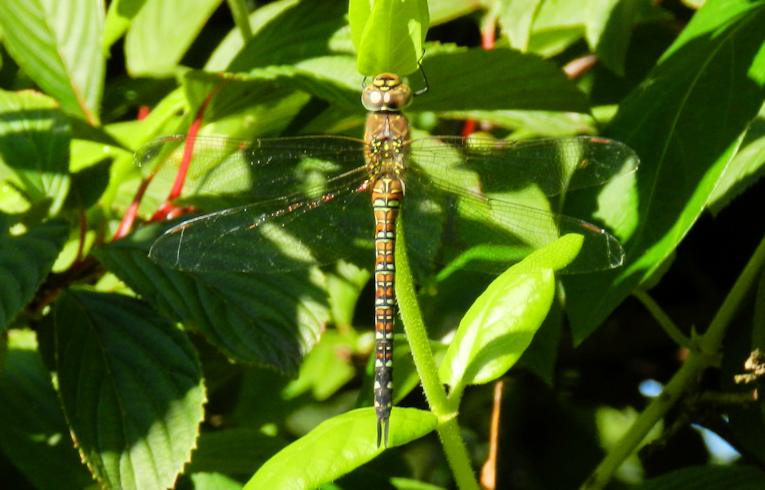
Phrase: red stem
x=132 y=211
x=168 y=209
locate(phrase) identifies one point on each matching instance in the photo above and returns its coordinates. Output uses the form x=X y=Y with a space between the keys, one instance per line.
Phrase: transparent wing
x=281 y=234
x=479 y=232
x=260 y=169
x=488 y=200
x=553 y=166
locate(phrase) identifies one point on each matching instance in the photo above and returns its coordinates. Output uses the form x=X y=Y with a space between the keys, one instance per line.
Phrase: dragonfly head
x=386 y=93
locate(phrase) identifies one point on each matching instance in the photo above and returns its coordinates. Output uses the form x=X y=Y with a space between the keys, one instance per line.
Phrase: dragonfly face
x=475 y=204
x=386 y=93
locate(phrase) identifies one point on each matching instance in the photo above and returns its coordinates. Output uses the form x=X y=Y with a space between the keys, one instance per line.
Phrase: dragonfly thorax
x=387 y=136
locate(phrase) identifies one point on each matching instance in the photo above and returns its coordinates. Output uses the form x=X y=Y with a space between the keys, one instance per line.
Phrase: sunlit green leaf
x=34 y=147
x=516 y=18
x=337 y=446
x=608 y=29
x=389 y=35
x=266 y=17
x=214 y=481
x=500 y=324
x=57 y=43
x=746 y=168
x=300 y=31
x=659 y=120
x=161 y=33
x=118 y=18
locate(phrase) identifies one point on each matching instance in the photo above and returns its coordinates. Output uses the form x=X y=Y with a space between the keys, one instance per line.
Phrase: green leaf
x=325 y=369
x=161 y=33
x=682 y=159
x=608 y=29
x=516 y=17
x=34 y=147
x=459 y=80
x=266 y=319
x=233 y=451
x=708 y=478
x=243 y=108
x=88 y=185
x=214 y=481
x=532 y=123
x=118 y=18
x=131 y=388
x=262 y=19
x=443 y=11
x=389 y=35
x=337 y=446
x=34 y=428
x=557 y=25
x=540 y=356
x=300 y=31
x=500 y=324
x=746 y=168
x=57 y=43
x=25 y=262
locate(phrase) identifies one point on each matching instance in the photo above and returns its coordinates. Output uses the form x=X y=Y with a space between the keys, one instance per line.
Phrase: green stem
x=241 y=18
x=417 y=336
x=702 y=356
x=661 y=316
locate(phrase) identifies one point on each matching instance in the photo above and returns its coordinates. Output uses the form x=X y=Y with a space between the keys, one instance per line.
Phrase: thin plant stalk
x=703 y=354
x=448 y=428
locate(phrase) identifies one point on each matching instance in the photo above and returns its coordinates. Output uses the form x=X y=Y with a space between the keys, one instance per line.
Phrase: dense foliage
x=123 y=371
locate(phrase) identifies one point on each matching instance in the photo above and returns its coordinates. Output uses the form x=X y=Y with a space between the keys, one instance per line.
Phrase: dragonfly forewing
x=554 y=166
x=260 y=169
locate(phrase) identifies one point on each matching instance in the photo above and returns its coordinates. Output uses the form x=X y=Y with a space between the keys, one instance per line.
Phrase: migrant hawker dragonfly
x=311 y=204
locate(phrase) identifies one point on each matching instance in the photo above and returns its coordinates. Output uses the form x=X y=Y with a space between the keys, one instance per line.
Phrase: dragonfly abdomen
x=387 y=193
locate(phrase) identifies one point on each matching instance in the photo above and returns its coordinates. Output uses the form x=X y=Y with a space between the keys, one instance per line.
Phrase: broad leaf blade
x=58 y=44
x=516 y=19
x=34 y=428
x=390 y=36
x=131 y=388
x=237 y=451
x=459 y=81
x=501 y=323
x=300 y=31
x=608 y=28
x=745 y=170
x=34 y=147
x=266 y=319
x=161 y=33
x=336 y=447
x=25 y=261
x=118 y=18
x=720 y=52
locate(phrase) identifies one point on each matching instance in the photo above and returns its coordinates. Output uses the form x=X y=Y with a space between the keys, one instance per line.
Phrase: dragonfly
x=475 y=202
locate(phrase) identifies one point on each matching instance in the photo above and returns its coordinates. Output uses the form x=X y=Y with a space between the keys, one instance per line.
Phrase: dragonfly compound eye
x=386 y=93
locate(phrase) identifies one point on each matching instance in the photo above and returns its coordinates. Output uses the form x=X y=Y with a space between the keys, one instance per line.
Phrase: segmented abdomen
x=387 y=194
